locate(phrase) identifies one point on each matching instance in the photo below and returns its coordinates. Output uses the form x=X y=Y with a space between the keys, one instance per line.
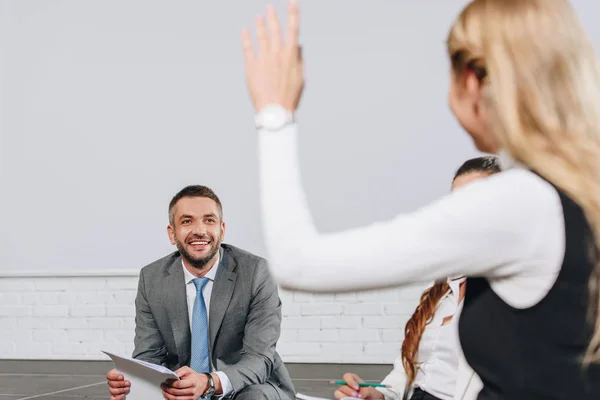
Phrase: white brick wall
x=75 y=317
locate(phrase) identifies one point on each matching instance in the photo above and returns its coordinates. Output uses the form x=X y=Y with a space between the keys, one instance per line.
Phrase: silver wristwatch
x=211 y=387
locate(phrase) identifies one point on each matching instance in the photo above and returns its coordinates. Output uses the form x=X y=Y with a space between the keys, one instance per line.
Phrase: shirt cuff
x=389 y=394
x=225 y=385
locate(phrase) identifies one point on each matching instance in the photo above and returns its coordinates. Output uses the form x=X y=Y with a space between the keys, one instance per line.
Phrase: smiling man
x=209 y=311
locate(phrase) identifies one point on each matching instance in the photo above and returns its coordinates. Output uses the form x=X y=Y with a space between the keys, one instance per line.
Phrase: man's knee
x=257 y=392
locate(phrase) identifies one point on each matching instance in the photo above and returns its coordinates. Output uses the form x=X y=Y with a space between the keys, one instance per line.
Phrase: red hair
x=416 y=326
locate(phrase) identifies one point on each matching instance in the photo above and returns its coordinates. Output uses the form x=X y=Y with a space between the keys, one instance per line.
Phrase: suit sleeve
x=261 y=333
x=149 y=344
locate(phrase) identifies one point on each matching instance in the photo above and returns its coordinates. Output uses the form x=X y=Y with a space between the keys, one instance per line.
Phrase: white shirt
x=439 y=348
x=508 y=228
x=190 y=290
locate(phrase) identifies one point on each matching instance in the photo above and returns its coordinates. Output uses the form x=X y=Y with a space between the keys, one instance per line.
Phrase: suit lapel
x=177 y=310
x=221 y=294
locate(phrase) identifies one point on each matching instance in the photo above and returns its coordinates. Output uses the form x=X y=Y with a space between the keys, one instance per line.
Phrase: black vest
x=536 y=353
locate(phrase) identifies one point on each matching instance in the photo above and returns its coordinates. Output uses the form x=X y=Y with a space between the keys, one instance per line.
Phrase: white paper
x=145 y=377
x=305 y=397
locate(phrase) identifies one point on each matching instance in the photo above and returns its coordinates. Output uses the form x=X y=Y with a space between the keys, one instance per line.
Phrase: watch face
x=273 y=118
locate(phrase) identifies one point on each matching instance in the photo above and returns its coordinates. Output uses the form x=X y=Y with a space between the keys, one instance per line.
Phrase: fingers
x=261 y=35
x=114 y=375
x=247 y=47
x=273 y=73
x=293 y=28
x=366 y=393
x=352 y=380
x=118 y=384
x=178 y=392
x=118 y=391
x=169 y=396
x=182 y=384
x=345 y=391
x=271 y=39
x=118 y=387
x=184 y=371
x=274 y=28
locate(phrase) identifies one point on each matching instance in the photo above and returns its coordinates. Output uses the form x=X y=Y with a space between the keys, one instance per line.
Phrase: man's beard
x=196 y=262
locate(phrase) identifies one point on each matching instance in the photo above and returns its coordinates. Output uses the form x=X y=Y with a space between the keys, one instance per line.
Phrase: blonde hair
x=541 y=83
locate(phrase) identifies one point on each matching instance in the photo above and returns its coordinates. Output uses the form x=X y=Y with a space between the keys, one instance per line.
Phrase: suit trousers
x=263 y=391
x=419 y=394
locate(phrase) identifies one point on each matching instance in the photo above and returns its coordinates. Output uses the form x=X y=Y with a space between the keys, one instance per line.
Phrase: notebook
x=145 y=377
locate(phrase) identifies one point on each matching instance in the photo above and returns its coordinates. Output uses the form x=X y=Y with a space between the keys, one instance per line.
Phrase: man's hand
x=191 y=386
x=351 y=389
x=117 y=385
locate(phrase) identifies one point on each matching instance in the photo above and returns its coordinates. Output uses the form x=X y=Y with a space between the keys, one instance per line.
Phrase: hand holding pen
x=353 y=386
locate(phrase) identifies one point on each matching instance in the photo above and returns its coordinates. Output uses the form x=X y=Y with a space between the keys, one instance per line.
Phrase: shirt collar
x=210 y=274
x=454 y=284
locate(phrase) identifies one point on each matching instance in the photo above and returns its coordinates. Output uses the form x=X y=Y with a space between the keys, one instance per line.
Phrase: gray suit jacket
x=244 y=320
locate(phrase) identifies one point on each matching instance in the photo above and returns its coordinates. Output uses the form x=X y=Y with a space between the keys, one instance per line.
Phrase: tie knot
x=200 y=283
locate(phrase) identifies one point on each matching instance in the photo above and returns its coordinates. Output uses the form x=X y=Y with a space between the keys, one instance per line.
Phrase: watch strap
x=211 y=386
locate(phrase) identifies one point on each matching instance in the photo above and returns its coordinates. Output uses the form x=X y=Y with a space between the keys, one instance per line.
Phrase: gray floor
x=71 y=380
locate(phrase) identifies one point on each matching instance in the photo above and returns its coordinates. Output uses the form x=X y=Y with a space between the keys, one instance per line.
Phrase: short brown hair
x=194 y=191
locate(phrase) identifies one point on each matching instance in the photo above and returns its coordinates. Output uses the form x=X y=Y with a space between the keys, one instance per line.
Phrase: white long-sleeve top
x=508 y=228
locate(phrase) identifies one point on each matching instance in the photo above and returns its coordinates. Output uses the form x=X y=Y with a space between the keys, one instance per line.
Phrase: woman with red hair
x=431 y=365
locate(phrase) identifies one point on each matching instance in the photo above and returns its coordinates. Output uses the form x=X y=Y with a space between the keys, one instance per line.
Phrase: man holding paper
x=210 y=312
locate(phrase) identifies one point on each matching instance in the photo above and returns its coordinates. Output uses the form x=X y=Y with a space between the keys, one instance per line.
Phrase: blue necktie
x=200 y=357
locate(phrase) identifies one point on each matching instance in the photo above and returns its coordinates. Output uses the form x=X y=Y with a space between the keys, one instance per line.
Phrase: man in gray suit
x=209 y=311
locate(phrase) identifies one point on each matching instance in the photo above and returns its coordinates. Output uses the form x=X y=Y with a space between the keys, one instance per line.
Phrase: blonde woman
x=525 y=85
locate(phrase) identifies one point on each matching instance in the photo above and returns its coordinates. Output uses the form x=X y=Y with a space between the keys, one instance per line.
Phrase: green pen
x=361 y=384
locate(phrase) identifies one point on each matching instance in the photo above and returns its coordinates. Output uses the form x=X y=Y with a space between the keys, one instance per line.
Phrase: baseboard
x=308 y=371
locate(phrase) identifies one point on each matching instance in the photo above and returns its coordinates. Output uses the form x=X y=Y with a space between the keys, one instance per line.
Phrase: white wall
x=110 y=107
x=76 y=317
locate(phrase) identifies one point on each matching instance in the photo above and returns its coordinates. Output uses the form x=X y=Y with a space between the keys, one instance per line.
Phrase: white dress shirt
x=439 y=356
x=190 y=290
x=439 y=348
x=508 y=228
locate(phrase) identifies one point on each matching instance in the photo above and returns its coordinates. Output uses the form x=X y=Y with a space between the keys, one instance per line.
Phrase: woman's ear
x=473 y=86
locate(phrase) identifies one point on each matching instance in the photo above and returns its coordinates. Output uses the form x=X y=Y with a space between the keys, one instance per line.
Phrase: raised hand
x=274 y=73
